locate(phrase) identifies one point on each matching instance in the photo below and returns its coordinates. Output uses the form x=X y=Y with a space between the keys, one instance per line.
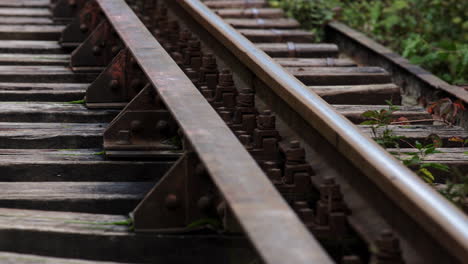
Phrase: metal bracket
x=121 y=81
x=142 y=128
x=179 y=201
x=82 y=25
x=98 y=50
x=66 y=10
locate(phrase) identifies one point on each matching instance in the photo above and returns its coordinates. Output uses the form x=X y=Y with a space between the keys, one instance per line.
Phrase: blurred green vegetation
x=430 y=33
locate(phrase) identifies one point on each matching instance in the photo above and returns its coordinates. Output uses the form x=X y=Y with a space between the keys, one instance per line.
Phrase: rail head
x=438 y=216
x=270 y=224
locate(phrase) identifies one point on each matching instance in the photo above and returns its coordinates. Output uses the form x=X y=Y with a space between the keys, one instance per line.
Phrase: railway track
x=211 y=132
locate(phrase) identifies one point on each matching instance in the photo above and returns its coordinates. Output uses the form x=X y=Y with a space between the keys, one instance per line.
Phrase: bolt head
x=114 y=85
x=161 y=125
x=171 y=202
x=83 y=28
x=205 y=204
x=115 y=50
x=295 y=144
x=136 y=126
x=97 y=51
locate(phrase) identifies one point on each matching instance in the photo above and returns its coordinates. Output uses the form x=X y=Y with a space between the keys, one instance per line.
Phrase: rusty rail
x=440 y=218
x=248 y=192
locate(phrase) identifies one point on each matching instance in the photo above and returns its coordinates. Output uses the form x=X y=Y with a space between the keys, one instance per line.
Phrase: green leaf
x=76 y=102
x=426 y=175
x=370 y=122
x=370 y=114
x=418 y=145
x=438 y=166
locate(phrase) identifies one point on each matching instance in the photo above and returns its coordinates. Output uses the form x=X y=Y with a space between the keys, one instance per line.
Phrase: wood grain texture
x=340 y=75
x=48 y=74
x=51 y=135
x=236 y=4
x=263 y=23
x=11 y=258
x=302 y=50
x=31 y=32
x=64 y=165
x=376 y=94
x=52 y=112
x=98 y=238
x=87 y=197
x=42 y=92
x=354 y=112
x=278 y=35
x=314 y=62
x=25 y=12
x=35 y=59
x=250 y=13
x=7 y=20
x=423 y=133
x=25 y=3
x=31 y=47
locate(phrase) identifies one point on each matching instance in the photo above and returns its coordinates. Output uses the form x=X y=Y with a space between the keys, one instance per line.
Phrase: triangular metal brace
x=181 y=199
x=98 y=50
x=143 y=127
x=121 y=81
x=82 y=25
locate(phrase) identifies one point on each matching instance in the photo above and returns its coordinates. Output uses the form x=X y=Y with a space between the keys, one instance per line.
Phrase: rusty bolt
x=72 y=3
x=161 y=126
x=83 y=28
x=136 y=126
x=171 y=202
x=295 y=144
x=133 y=62
x=115 y=50
x=114 y=85
x=329 y=180
x=388 y=242
x=205 y=203
x=226 y=115
x=266 y=120
x=245 y=139
x=97 y=51
x=123 y=137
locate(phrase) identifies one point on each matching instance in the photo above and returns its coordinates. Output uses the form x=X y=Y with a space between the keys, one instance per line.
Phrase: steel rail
x=273 y=228
x=435 y=214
